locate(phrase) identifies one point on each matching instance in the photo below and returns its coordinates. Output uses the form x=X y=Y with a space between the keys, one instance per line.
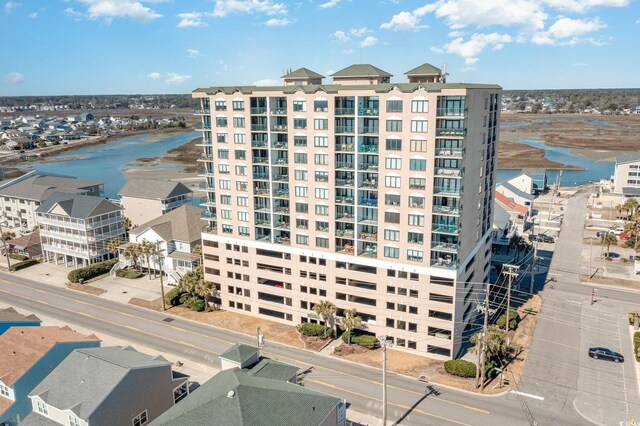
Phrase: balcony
x=452 y=112
x=206 y=214
x=367 y=220
x=447 y=190
x=368 y=148
x=345 y=129
x=345 y=233
x=344 y=217
x=261 y=191
x=368 y=184
x=459 y=133
x=371 y=202
x=344 y=165
x=443 y=228
x=260 y=160
x=281 y=209
x=449 y=152
x=258 y=127
x=259 y=144
x=206 y=126
x=369 y=236
x=202 y=111
x=445 y=262
x=345 y=182
x=345 y=111
x=344 y=249
x=368 y=112
x=258 y=110
x=344 y=200
x=281 y=178
x=283 y=241
x=445 y=247
x=263 y=223
x=279 y=128
x=369 y=130
x=281 y=193
x=369 y=250
x=281 y=161
x=261 y=176
x=279 y=111
x=447 y=210
x=280 y=145
x=205 y=157
x=450 y=173
x=204 y=142
x=282 y=225
x=344 y=147
x=368 y=166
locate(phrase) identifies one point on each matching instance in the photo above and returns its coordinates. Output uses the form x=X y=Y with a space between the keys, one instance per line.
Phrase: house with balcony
x=27 y=356
x=175 y=234
x=76 y=229
x=106 y=386
x=503 y=230
x=20 y=197
x=259 y=393
x=9 y=317
x=626 y=176
x=516 y=195
x=517 y=212
x=531 y=181
x=146 y=199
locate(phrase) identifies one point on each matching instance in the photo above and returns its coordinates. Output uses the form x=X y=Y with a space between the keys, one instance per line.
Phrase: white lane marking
x=539 y=398
x=574 y=301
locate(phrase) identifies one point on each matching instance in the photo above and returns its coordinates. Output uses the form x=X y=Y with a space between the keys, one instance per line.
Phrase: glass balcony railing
x=368 y=112
x=448 y=172
x=205 y=157
x=445 y=247
x=451 y=112
x=449 y=152
x=201 y=126
x=344 y=182
x=345 y=129
x=344 y=165
x=369 y=236
x=279 y=128
x=280 y=145
x=447 y=210
x=206 y=214
x=259 y=127
x=445 y=262
x=372 y=202
x=281 y=161
x=441 y=131
x=261 y=176
x=445 y=228
x=281 y=178
x=258 y=110
x=202 y=111
x=345 y=111
x=368 y=166
x=281 y=193
x=344 y=200
x=447 y=190
x=259 y=144
x=348 y=147
x=371 y=130
x=279 y=111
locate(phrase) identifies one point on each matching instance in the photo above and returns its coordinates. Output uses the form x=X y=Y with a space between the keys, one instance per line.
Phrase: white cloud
x=455 y=34
x=154 y=75
x=33 y=15
x=406 y=21
x=191 y=19
x=268 y=7
x=14 y=78
x=359 y=32
x=347 y=51
x=73 y=13
x=267 y=82
x=175 y=79
x=329 y=4
x=193 y=53
x=470 y=49
x=369 y=41
x=109 y=9
x=341 y=36
x=275 y=22
x=10 y=6
x=568 y=31
x=581 y=6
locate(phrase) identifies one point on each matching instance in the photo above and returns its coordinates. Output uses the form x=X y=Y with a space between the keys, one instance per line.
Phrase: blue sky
x=173 y=46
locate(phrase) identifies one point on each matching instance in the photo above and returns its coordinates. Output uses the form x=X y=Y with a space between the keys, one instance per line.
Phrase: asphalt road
x=409 y=400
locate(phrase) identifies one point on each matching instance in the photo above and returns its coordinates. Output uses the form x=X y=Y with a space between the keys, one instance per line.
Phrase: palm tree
x=630 y=206
x=127 y=224
x=113 y=245
x=146 y=249
x=608 y=239
x=327 y=311
x=349 y=322
x=496 y=340
x=137 y=250
x=197 y=250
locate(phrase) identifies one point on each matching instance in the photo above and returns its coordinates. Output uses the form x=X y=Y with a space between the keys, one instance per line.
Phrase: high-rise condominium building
x=376 y=196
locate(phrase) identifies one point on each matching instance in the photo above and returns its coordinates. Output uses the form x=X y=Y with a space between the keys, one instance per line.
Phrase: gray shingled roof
x=182 y=224
x=501 y=216
x=87 y=376
x=239 y=353
x=36 y=419
x=78 y=206
x=335 y=88
x=361 y=70
x=628 y=158
x=40 y=186
x=235 y=398
x=518 y=192
x=424 y=69
x=11 y=315
x=272 y=369
x=302 y=74
x=153 y=189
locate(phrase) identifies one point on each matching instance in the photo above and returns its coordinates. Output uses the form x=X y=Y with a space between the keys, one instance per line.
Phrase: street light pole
x=158 y=252
x=384 y=342
x=4 y=243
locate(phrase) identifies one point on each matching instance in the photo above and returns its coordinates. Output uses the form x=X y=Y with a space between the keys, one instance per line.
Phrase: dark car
x=542 y=238
x=604 y=353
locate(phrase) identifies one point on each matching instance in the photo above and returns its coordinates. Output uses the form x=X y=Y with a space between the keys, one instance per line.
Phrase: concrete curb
x=609 y=286
x=472 y=393
x=575 y=407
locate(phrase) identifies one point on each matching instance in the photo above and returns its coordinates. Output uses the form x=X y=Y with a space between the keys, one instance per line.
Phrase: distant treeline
x=575 y=100
x=101 y=101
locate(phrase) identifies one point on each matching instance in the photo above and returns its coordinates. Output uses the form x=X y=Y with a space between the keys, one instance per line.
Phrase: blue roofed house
x=27 y=356
x=9 y=317
x=530 y=181
x=109 y=386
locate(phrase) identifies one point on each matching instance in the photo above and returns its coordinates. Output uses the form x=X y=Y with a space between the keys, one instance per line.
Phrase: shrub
x=490 y=370
x=514 y=319
x=460 y=368
x=631 y=316
x=128 y=273
x=195 y=304
x=91 y=271
x=16 y=256
x=24 y=264
x=365 y=340
x=310 y=329
x=173 y=297
x=636 y=345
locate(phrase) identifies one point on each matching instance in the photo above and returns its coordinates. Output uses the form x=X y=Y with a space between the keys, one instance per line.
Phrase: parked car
x=606 y=354
x=616 y=231
x=600 y=233
x=624 y=236
x=543 y=238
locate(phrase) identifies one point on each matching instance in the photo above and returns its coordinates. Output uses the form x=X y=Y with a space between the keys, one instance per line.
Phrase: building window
x=420 y=165
x=322 y=210
x=238 y=138
x=225 y=199
x=299 y=123
x=393 y=163
x=321 y=159
x=393 y=252
x=241 y=154
x=416 y=220
x=320 y=124
x=302 y=239
x=243 y=216
x=394 y=144
x=238 y=121
x=222 y=138
x=225 y=213
x=73 y=420
x=322 y=176
x=391 y=217
x=322 y=193
x=302 y=208
x=392 y=181
x=223 y=168
x=419 y=106
x=417 y=145
x=4 y=390
x=41 y=408
x=391 y=235
x=419 y=126
x=394 y=106
x=321 y=141
x=394 y=125
x=301 y=191
x=300 y=158
x=241 y=186
x=223 y=154
x=300 y=141
x=300 y=175
x=299 y=106
x=417 y=183
x=140 y=419
x=221 y=105
x=221 y=121
x=224 y=184
x=227 y=229
x=238 y=105
x=241 y=170
x=321 y=106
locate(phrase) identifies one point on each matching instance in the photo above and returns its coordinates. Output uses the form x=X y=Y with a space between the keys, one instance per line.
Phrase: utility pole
x=590 y=253
x=483 y=350
x=535 y=257
x=511 y=273
x=553 y=195
x=4 y=243
x=158 y=252
x=384 y=342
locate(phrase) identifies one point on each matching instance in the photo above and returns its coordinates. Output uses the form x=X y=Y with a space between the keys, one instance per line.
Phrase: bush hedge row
x=91 y=271
x=195 y=304
x=16 y=256
x=173 y=297
x=128 y=273
x=636 y=345
x=24 y=264
x=460 y=368
x=514 y=319
x=311 y=329
x=364 y=340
